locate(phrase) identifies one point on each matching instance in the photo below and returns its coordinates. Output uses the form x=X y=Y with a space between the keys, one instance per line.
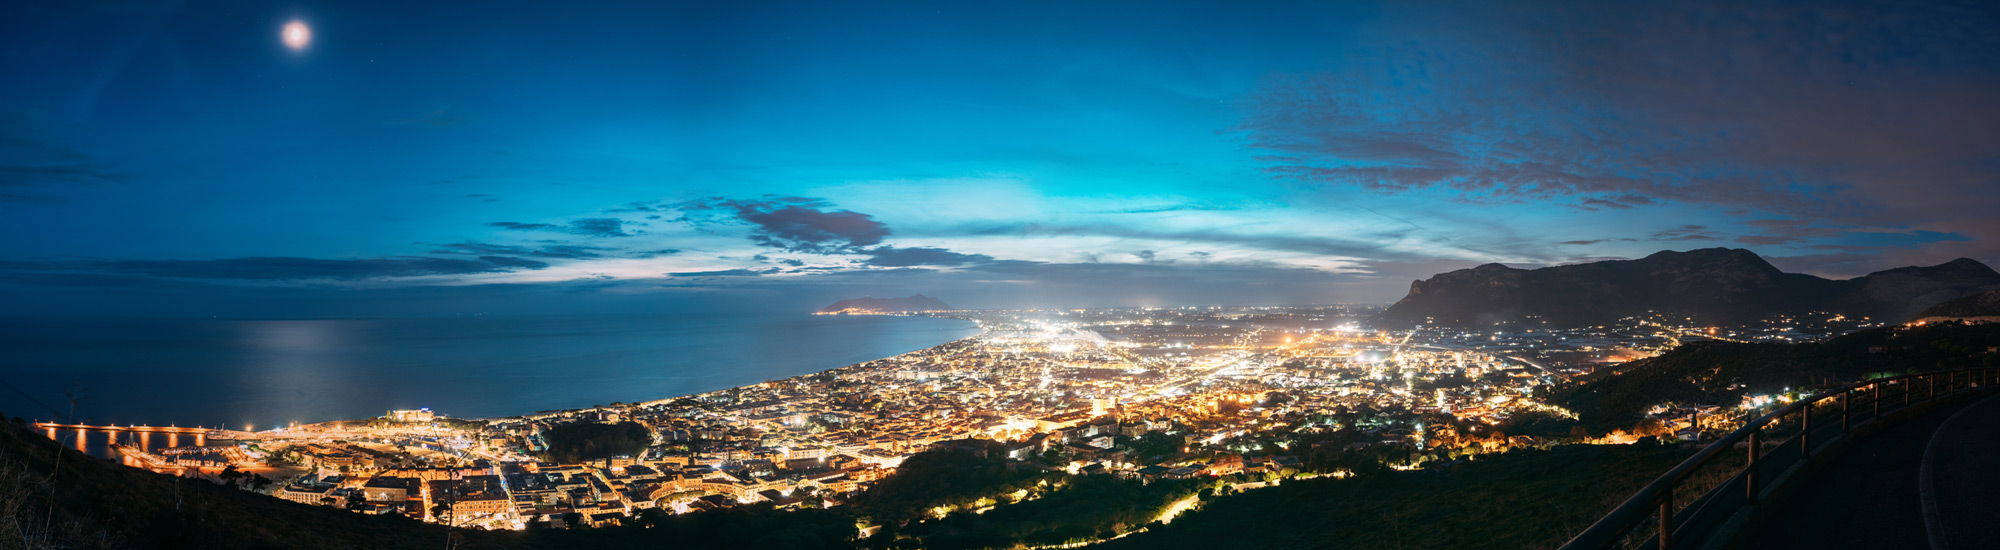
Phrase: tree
x=573 y=519
x=587 y=441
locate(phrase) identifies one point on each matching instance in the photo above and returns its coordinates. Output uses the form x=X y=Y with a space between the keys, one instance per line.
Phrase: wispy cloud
x=589 y=227
x=282 y=269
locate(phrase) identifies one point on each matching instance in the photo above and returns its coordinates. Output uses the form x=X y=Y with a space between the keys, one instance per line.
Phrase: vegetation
x=949 y=478
x=587 y=441
x=1086 y=508
x=1721 y=373
x=1523 y=499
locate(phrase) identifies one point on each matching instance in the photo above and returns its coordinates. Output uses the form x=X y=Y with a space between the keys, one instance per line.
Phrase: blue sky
x=179 y=158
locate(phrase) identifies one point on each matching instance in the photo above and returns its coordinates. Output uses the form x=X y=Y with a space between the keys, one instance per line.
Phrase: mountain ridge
x=1720 y=285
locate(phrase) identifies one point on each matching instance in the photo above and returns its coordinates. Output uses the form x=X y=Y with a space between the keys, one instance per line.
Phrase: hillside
x=99 y=504
x=1716 y=285
x=1984 y=304
x=1523 y=499
x=102 y=505
x=871 y=304
x=1721 y=373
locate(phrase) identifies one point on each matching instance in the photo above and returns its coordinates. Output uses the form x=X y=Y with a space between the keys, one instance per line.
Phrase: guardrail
x=1649 y=519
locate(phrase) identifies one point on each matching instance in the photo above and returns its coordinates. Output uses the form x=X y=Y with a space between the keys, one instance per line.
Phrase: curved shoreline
x=244 y=373
x=664 y=400
x=670 y=399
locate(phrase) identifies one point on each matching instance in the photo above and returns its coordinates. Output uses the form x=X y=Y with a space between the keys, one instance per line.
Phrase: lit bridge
x=173 y=433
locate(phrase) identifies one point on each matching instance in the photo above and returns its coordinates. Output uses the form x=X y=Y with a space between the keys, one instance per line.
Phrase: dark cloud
x=636 y=207
x=1591 y=241
x=554 y=251
x=1784 y=231
x=599 y=227
x=1151 y=257
x=886 y=256
x=29 y=161
x=655 y=253
x=1688 y=232
x=1864 y=113
x=279 y=269
x=590 y=227
x=726 y=273
x=1368 y=245
x=798 y=224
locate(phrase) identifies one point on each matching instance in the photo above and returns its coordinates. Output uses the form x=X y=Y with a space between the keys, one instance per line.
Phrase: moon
x=297 y=35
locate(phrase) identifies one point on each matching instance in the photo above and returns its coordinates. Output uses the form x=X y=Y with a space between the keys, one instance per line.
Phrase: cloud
x=599 y=227
x=1688 y=232
x=886 y=256
x=28 y=161
x=1875 y=114
x=1370 y=245
x=589 y=227
x=643 y=254
x=281 y=269
x=726 y=273
x=798 y=224
x=554 y=251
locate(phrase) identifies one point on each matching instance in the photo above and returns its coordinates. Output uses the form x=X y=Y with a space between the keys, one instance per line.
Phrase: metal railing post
x=1667 y=520
x=1876 y=400
x=1750 y=471
x=1947 y=389
x=1805 y=431
x=1846 y=398
x=1907 y=390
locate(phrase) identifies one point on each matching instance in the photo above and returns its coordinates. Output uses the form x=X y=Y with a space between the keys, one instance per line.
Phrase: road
x=1926 y=483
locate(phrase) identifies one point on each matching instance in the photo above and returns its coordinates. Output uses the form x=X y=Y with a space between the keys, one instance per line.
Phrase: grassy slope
x=1526 y=499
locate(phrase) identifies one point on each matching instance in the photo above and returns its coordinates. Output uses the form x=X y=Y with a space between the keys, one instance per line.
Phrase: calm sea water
x=266 y=373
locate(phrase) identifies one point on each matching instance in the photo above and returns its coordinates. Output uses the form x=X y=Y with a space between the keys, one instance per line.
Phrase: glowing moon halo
x=297 y=35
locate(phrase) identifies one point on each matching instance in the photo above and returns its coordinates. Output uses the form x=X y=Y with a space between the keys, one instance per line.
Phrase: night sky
x=420 y=158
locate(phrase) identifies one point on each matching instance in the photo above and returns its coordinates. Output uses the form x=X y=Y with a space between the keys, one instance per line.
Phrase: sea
x=260 y=374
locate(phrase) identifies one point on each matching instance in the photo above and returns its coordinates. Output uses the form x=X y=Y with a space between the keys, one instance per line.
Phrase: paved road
x=1881 y=494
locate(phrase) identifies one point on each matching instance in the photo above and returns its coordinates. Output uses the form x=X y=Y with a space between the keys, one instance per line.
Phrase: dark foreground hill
x=1522 y=499
x=1715 y=285
x=1721 y=373
x=915 y=302
x=101 y=505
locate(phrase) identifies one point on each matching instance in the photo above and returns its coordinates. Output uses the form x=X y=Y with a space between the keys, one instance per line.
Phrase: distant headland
x=871 y=305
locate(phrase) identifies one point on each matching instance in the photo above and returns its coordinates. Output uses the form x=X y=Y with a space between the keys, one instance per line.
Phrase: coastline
x=699 y=395
x=665 y=400
x=262 y=374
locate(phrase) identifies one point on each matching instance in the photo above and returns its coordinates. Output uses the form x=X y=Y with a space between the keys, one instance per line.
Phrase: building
x=419 y=415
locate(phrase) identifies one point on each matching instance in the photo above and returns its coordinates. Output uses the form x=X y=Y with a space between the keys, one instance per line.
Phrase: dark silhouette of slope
x=1715 y=285
x=1984 y=304
x=98 y=504
x=1721 y=373
x=1522 y=499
